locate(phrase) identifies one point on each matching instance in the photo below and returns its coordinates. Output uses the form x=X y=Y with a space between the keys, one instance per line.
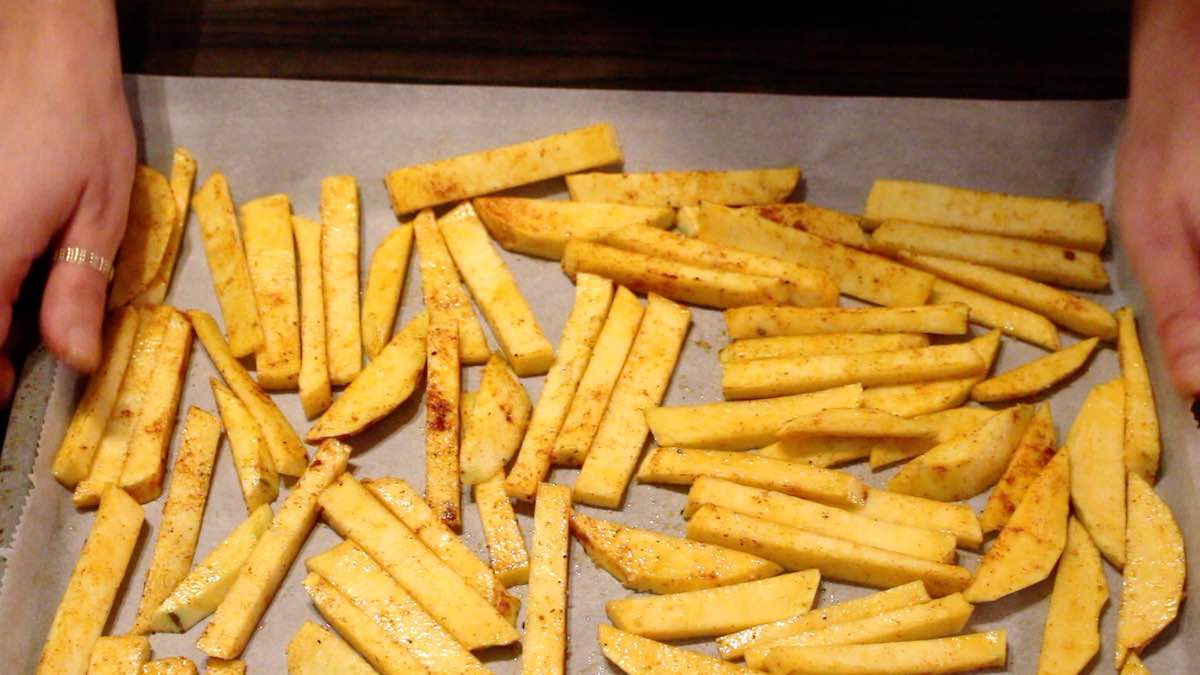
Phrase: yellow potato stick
x=271 y=254
x=385 y=284
x=988 y=311
x=251 y=458
x=759 y=322
x=505 y=544
x=541 y=227
x=1036 y=376
x=386 y=655
x=315 y=387
x=1142 y=445
x=499 y=417
x=152 y=217
x=228 y=266
x=749 y=349
x=173 y=665
x=544 y=649
x=1134 y=666
x=961 y=653
x=1072 y=634
x=854 y=422
x=687 y=220
x=923 y=398
x=1096 y=446
x=315 y=651
x=832 y=451
x=339 y=276
x=443 y=291
x=1036 y=449
x=183 y=176
x=686 y=188
x=443 y=486
x=836 y=226
x=635 y=654
x=119 y=655
x=225 y=667
x=893 y=507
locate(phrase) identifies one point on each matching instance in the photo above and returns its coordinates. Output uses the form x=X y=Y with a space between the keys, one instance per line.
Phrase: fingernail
x=82 y=348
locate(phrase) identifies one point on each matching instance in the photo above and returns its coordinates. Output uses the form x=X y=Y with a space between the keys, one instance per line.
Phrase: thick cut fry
x=1041 y=262
x=286 y=448
x=795 y=549
x=174 y=665
x=910 y=400
x=831 y=451
x=958 y=654
x=988 y=311
x=443 y=291
x=947 y=425
x=239 y=613
x=1155 y=569
x=271 y=255
x=643 y=383
x=386 y=655
x=1072 y=634
x=757 y=322
x=75 y=455
x=686 y=188
x=863 y=275
x=544 y=649
x=748 y=349
x=784 y=509
x=385 y=284
x=679 y=466
x=498 y=420
x=119 y=655
x=1031 y=541
x=593 y=295
x=228 y=266
x=1036 y=376
x=836 y=226
x=443 y=486
x=255 y=469
x=225 y=667
x=182 y=514
x=657 y=563
x=152 y=216
x=183 y=176
x=591 y=397
x=416 y=187
x=1142 y=446
x=315 y=394
x=1096 y=447
x=741 y=425
x=339 y=276
x=315 y=651
x=505 y=544
x=956 y=519
x=381 y=387
x=635 y=654
x=1064 y=222
x=541 y=227
x=1134 y=666
x=90 y=593
x=687 y=220
x=855 y=422
x=1036 y=449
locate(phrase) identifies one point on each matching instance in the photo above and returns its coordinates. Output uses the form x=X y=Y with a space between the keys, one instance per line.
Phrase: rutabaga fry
x=227 y=264
x=635 y=654
x=923 y=398
x=854 y=423
x=183 y=176
x=988 y=311
x=505 y=544
x=443 y=291
x=1142 y=445
x=339 y=276
x=819 y=221
x=255 y=469
x=748 y=349
x=499 y=417
x=1036 y=376
x=148 y=230
x=443 y=486
x=119 y=655
x=1036 y=449
x=686 y=188
x=1072 y=634
x=541 y=227
x=758 y=322
x=315 y=387
x=893 y=507
x=1096 y=446
x=271 y=254
x=313 y=650
x=544 y=649
x=947 y=425
x=961 y=653
x=385 y=284
x=388 y=656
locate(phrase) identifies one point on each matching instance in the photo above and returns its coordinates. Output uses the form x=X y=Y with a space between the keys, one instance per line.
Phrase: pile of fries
x=810 y=386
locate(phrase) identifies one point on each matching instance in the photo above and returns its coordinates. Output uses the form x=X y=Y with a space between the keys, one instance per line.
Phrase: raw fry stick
x=1075 y=224
x=988 y=311
x=893 y=507
x=1035 y=450
x=686 y=188
x=499 y=417
x=339 y=276
x=505 y=544
x=174 y=665
x=748 y=349
x=923 y=398
x=593 y=295
x=1142 y=446
x=151 y=219
x=119 y=655
x=146 y=460
x=1036 y=376
x=74 y=458
x=1098 y=475
x=1072 y=634
x=239 y=613
x=228 y=266
x=544 y=648
x=635 y=654
x=271 y=255
x=961 y=653
x=442 y=290
x=385 y=284
x=757 y=322
x=182 y=514
x=183 y=175
x=541 y=227
x=89 y=596
x=831 y=451
x=860 y=274
x=642 y=384
x=1041 y=262
x=443 y=485
x=416 y=187
x=286 y=449
x=315 y=651
x=315 y=393
x=388 y=656
x=854 y=423
x=255 y=468
x=687 y=220
x=819 y=221
x=225 y=667
x=1134 y=666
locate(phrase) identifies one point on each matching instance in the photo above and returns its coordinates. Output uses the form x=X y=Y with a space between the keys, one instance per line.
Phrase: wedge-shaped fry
x=199 y=593
x=635 y=654
x=1142 y=445
x=946 y=424
x=358 y=516
x=854 y=422
x=748 y=349
x=146 y=460
x=152 y=216
x=591 y=397
x=741 y=425
x=1036 y=376
x=505 y=544
x=416 y=187
x=686 y=188
x=406 y=504
x=988 y=311
x=1065 y=222
x=679 y=466
x=863 y=275
x=544 y=649
x=1041 y=262
x=1036 y=449
x=228 y=266
x=757 y=322
x=386 y=655
x=593 y=295
x=966 y=466
x=715 y=611
x=687 y=220
x=225 y=667
x=831 y=451
x=315 y=651
x=255 y=469
x=1154 y=572
x=1096 y=447
x=820 y=519
x=956 y=519
x=664 y=564
x=962 y=653
x=385 y=284
x=381 y=387
x=182 y=514
x=339 y=276
x=836 y=226
x=183 y=176
x=172 y=665
x=1031 y=541
x=374 y=592
x=90 y=593
x=75 y=455
x=239 y=613
x=119 y=655
x=799 y=374
x=1072 y=634
x=271 y=255
x=443 y=485
x=315 y=393
x=923 y=398
x=1134 y=666
x=443 y=291
x=734 y=645
x=498 y=421
x=541 y=227
x=286 y=448
x=643 y=383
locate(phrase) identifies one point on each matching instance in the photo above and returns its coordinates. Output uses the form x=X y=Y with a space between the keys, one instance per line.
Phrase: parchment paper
x=274 y=136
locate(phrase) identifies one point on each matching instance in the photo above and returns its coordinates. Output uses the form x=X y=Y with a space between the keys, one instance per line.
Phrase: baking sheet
x=277 y=136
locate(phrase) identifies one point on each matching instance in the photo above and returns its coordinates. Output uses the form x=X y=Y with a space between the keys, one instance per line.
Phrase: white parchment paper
x=276 y=136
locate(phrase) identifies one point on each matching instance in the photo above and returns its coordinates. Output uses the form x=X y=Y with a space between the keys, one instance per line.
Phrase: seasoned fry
x=505 y=544
x=634 y=654
x=119 y=655
x=1036 y=376
x=1072 y=634
x=748 y=349
x=443 y=486
x=174 y=665
x=386 y=655
x=541 y=227
x=228 y=266
x=152 y=217
x=544 y=648
x=225 y=667
x=1142 y=446
x=255 y=468
x=385 y=284
x=947 y=424
x=498 y=420
x=442 y=290
x=757 y=322
x=315 y=651
x=1096 y=447
x=910 y=400
x=685 y=188
x=271 y=255
x=836 y=226
x=687 y=220
x=1134 y=666
x=854 y=422
x=315 y=394
x=1036 y=449
x=830 y=451
x=339 y=276
x=893 y=507
x=957 y=654
x=988 y=311
x=183 y=175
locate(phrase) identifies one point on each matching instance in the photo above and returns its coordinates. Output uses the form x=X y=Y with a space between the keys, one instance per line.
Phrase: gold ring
x=82 y=256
